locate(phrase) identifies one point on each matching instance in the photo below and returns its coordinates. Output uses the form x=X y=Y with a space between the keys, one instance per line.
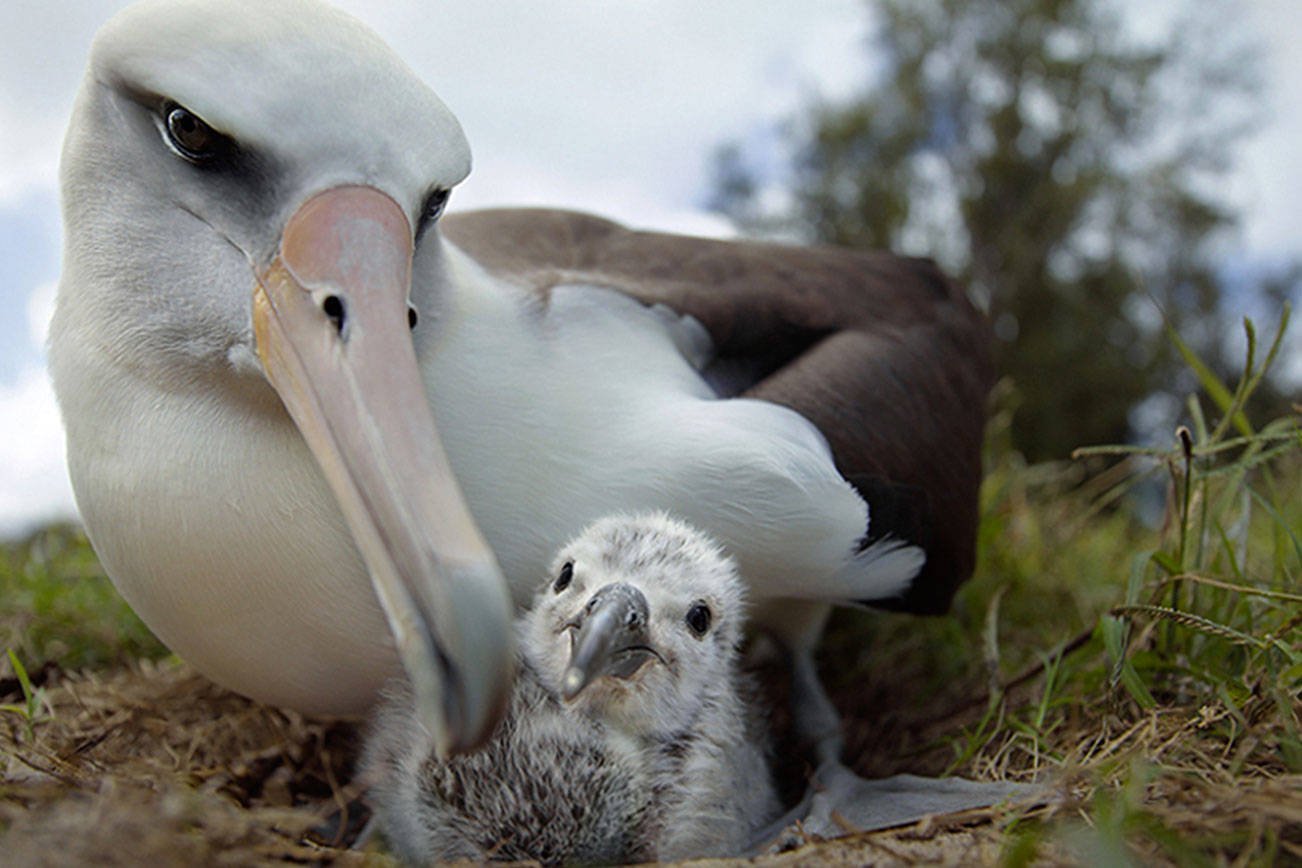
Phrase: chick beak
x=610 y=637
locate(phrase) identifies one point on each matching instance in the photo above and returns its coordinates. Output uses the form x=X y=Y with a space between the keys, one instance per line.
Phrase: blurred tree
x=1067 y=171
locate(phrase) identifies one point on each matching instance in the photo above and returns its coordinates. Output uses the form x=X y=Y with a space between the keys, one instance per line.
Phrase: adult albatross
x=262 y=316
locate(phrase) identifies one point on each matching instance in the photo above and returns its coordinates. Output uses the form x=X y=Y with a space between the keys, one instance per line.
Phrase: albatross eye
x=434 y=205
x=189 y=135
x=564 y=579
x=698 y=618
x=433 y=208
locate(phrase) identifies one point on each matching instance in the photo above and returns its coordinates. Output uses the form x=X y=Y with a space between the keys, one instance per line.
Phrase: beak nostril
x=333 y=307
x=412 y=317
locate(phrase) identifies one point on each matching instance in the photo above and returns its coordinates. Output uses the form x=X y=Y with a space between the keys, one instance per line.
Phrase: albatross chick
x=628 y=736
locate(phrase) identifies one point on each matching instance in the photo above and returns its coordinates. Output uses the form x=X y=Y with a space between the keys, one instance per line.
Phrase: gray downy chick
x=631 y=734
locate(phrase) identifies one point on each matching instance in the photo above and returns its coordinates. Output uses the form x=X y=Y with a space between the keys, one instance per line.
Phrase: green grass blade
x=1243 y=389
x=1199 y=421
x=1136 y=687
x=1167 y=563
x=1280 y=521
x=1275 y=345
x=1212 y=385
x=20 y=672
x=1240 y=589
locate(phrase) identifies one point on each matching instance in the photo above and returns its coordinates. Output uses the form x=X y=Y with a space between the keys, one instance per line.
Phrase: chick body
x=667 y=761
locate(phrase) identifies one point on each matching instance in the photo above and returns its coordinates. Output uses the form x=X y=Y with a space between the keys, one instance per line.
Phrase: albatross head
x=247 y=186
x=638 y=624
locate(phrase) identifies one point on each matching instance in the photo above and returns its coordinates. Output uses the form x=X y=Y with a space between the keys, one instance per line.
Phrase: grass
x=33 y=704
x=58 y=606
x=1133 y=635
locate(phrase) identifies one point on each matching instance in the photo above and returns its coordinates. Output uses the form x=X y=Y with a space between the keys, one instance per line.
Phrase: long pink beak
x=330 y=316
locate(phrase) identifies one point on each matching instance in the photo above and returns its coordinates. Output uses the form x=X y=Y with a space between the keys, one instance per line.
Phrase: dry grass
x=152 y=764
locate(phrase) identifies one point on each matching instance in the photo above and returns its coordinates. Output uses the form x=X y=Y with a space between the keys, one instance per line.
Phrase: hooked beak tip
x=572 y=682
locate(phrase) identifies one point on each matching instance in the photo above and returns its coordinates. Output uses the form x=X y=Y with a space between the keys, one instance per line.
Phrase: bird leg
x=817 y=722
x=839 y=802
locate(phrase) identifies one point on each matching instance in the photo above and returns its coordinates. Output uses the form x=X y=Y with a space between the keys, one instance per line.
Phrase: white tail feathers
x=881 y=571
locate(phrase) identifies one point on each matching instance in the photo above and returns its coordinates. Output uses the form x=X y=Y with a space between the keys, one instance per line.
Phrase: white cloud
x=29 y=156
x=601 y=95
x=499 y=179
x=1269 y=180
x=40 y=307
x=34 y=485
x=43 y=50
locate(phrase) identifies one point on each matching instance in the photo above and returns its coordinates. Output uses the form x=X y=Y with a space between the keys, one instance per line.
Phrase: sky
x=612 y=106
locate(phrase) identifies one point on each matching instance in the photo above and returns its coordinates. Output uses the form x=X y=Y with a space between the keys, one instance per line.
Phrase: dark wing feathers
x=884 y=354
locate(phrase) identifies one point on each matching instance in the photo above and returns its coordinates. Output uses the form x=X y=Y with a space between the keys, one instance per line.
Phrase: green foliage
x=1206 y=627
x=33 y=697
x=1218 y=619
x=1135 y=625
x=1058 y=167
x=56 y=605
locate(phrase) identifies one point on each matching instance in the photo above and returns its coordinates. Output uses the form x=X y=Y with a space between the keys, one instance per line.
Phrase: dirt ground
x=155 y=765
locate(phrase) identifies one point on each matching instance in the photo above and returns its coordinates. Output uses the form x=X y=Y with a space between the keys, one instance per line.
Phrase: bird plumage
x=886 y=357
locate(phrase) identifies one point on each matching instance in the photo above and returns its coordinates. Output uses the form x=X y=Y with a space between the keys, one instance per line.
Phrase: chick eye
x=698 y=618
x=189 y=135
x=564 y=579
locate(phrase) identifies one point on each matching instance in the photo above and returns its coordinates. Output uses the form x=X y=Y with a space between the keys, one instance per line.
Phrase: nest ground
x=153 y=764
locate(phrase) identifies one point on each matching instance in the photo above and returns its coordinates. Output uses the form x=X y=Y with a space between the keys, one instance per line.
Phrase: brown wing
x=884 y=354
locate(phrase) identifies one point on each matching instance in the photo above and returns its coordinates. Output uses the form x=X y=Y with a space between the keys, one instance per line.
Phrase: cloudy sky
x=609 y=105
